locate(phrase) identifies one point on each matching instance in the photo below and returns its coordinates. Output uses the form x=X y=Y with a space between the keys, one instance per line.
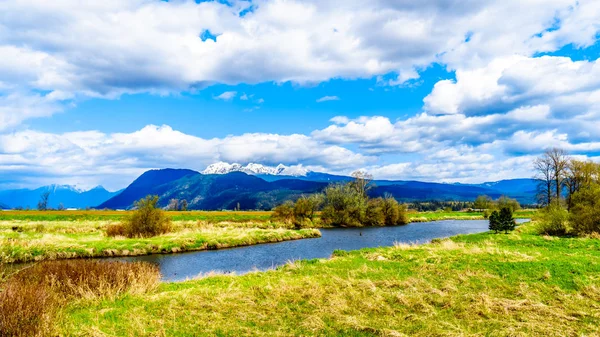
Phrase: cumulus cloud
x=114 y=47
x=124 y=155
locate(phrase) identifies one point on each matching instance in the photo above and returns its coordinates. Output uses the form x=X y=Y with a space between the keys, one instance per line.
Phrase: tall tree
x=559 y=160
x=43 y=203
x=543 y=168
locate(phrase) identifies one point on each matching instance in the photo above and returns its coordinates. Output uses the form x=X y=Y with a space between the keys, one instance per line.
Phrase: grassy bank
x=26 y=241
x=520 y=284
x=215 y=217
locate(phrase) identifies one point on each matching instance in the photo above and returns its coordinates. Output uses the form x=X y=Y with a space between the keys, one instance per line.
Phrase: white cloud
x=328 y=98
x=227 y=96
x=114 y=47
x=122 y=156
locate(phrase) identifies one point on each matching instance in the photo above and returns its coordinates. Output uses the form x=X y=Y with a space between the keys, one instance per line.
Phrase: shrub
x=284 y=212
x=148 y=220
x=30 y=298
x=585 y=211
x=115 y=230
x=305 y=209
x=395 y=213
x=374 y=215
x=344 y=206
x=553 y=220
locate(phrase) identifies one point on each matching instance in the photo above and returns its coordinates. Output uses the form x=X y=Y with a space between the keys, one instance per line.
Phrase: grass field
x=25 y=241
x=520 y=284
x=212 y=216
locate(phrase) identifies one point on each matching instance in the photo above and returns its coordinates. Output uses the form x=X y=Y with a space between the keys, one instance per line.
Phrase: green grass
x=437 y=216
x=34 y=241
x=519 y=284
x=213 y=216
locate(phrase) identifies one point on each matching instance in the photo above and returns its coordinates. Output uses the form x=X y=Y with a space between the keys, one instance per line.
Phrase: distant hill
x=3 y=206
x=150 y=182
x=69 y=196
x=212 y=191
x=264 y=191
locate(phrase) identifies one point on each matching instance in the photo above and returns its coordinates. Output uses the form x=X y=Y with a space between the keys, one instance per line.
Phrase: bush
x=344 y=206
x=148 y=220
x=30 y=298
x=284 y=212
x=395 y=213
x=553 y=220
x=115 y=230
x=585 y=212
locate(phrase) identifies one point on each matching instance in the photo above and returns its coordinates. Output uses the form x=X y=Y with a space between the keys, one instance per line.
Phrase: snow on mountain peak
x=256 y=169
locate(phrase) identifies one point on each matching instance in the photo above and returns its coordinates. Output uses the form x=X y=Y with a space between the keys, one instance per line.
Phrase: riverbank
x=27 y=236
x=479 y=284
x=35 y=241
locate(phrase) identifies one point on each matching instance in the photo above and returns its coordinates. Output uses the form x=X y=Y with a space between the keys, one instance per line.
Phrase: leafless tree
x=362 y=182
x=43 y=203
x=543 y=168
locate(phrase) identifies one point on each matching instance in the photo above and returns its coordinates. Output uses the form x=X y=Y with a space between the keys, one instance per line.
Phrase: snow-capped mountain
x=256 y=169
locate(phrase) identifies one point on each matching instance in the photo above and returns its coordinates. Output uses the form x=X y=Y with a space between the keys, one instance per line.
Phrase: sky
x=95 y=93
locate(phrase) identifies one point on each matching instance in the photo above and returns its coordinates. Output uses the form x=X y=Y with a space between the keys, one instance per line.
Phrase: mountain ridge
x=263 y=191
x=67 y=195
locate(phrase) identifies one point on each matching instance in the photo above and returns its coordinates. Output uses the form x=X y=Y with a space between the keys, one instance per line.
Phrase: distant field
x=214 y=216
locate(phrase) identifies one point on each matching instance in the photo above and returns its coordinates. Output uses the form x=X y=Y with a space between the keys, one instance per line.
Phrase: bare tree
x=184 y=205
x=543 y=168
x=560 y=164
x=173 y=205
x=43 y=203
x=362 y=182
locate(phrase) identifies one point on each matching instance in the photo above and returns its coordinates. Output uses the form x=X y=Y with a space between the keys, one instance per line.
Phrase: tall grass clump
x=147 y=221
x=31 y=297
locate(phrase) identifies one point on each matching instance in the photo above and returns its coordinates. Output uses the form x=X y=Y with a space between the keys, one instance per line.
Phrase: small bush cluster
x=301 y=213
x=30 y=298
x=585 y=212
x=502 y=221
x=147 y=221
x=553 y=220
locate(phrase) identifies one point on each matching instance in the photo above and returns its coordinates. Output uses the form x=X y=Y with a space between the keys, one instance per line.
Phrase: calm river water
x=178 y=267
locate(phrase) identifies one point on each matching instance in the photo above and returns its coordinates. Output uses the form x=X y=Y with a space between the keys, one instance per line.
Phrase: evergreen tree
x=506 y=220
x=495 y=222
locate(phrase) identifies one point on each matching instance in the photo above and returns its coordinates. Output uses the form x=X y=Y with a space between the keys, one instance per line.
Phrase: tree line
x=344 y=205
x=569 y=189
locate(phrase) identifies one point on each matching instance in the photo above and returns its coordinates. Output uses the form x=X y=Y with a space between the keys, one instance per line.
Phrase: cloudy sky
x=96 y=92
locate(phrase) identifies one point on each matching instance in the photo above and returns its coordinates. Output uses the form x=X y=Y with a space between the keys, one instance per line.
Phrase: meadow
x=27 y=241
x=517 y=284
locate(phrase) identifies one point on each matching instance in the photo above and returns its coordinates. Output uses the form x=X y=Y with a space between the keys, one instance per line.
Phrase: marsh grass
x=68 y=240
x=519 y=284
x=31 y=297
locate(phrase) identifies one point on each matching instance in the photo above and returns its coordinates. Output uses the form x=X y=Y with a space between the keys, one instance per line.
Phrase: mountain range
x=68 y=196
x=254 y=186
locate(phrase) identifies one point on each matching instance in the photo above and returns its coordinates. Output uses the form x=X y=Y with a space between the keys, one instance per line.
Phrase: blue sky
x=443 y=90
